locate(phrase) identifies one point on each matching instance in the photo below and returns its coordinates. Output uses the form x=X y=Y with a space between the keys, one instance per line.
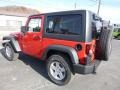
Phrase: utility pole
x=75 y=5
x=99 y=4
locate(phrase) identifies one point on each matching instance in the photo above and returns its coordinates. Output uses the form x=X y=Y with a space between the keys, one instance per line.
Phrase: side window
x=34 y=25
x=66 y=24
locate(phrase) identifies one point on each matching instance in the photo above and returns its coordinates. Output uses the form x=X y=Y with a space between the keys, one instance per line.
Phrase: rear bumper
x=86 y=69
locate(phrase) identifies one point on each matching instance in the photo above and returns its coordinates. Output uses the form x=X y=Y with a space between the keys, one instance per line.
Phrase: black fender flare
x=69 y=50
x=12 y=40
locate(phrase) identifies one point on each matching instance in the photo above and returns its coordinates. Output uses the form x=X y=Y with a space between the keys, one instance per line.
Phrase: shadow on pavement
x=2 y=52
x=36 y=64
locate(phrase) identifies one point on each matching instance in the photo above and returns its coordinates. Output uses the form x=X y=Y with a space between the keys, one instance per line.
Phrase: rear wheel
x=58 y=69
x=9 y=52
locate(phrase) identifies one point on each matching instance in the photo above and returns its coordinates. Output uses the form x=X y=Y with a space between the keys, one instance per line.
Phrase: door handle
x=35 y=37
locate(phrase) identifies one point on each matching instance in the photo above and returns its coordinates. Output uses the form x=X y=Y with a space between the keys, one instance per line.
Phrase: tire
x=58 y=69
x=9 y=53
x=104 y=45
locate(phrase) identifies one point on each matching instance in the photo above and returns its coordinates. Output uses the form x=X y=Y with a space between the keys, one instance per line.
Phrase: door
x=32 y=39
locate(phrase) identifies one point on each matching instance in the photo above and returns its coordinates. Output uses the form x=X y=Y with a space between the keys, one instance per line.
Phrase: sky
x=110 y=9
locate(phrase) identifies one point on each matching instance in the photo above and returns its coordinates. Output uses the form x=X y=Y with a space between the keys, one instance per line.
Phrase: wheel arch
x=12 y=40
x=68 y=51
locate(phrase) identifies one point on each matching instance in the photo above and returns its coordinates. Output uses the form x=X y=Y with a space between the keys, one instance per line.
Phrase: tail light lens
x=88 y=47
x=88 y=54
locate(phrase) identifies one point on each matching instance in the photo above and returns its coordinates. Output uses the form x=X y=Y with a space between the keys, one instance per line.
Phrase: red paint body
x=34 y=44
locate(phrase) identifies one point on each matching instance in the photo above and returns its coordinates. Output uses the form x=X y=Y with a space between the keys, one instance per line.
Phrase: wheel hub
x=57 y=70
x=8 y=51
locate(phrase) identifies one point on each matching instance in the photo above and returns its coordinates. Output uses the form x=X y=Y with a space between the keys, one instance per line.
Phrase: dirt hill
x=17 y=11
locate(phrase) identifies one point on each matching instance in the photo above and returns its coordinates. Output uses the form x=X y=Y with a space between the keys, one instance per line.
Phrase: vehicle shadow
x=36 y=64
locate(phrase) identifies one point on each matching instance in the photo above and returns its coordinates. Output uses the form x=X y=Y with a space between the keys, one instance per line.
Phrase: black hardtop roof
x=63 y=12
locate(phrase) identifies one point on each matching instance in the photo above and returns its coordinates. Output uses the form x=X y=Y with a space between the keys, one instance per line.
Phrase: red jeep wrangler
x=70 y=41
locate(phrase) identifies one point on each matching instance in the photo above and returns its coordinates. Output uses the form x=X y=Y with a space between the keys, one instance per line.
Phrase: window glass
x=66 y=24
x=34 y=25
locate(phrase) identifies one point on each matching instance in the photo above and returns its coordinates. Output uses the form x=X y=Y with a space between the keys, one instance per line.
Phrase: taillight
x=88 y=47
x=88 y=53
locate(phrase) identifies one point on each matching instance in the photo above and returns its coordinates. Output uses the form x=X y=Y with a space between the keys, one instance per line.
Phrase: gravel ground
x=29 y=74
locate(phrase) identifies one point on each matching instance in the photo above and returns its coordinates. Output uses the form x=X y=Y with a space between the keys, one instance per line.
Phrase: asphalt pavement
x=28 y=73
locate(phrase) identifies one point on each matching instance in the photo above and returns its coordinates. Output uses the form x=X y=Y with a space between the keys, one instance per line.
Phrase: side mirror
x=24 y=29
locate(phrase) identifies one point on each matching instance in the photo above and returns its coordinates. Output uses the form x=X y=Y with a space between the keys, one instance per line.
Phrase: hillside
x=17 y=10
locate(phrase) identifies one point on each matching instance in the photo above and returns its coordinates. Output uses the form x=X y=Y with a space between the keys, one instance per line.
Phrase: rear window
x=64 y=24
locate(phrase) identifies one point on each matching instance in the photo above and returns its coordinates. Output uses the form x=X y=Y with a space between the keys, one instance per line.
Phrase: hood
x=16 y=34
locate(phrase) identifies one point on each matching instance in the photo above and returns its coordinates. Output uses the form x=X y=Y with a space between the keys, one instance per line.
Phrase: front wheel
x=58 y=69
x=9 y=52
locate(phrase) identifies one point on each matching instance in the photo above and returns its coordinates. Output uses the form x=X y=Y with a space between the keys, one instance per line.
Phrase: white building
x=11 y=23
x=13 y=17
x=10 y=20
x=116 y=25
